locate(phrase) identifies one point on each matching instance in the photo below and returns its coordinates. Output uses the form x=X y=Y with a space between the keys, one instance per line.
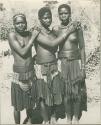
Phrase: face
x=64 y=15
x=20 y=24
x=46 y=19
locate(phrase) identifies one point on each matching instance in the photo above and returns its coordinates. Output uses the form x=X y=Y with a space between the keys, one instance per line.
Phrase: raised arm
x=51 y=41
x=14 y=44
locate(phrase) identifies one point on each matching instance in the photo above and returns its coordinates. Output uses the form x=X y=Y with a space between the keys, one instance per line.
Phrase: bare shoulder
x=11 y=38
x=35 y=27
x=56 y=29
x=78 y=24
x=11 y=35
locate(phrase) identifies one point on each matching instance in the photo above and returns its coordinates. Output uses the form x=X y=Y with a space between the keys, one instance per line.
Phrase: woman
x=71 y=52
x=49 y=83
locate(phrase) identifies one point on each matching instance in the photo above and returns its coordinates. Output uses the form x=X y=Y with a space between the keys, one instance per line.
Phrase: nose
x=63 y=15
x=20 y=25
x=48 y=20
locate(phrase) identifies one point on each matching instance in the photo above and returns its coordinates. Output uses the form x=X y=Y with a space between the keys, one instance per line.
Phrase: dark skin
x=46 y=21
x=21 y=43
x=74 y=41
x=46 y=43
x=76 y=36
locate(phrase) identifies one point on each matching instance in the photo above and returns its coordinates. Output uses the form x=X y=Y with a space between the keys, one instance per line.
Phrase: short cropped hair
x=64 y=6
x=43 y=10
x=19 y=15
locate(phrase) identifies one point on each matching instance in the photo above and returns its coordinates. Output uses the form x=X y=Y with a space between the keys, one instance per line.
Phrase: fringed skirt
x=23 y=93
x=49 y=83
x=74 y=87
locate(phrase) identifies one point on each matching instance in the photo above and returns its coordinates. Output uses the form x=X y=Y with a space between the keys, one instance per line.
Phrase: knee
x=65 y=100
x=29 y=112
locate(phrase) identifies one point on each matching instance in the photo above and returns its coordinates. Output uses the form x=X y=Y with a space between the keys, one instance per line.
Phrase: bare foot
x=69 y=122
x=75 y=121
x=53 y=120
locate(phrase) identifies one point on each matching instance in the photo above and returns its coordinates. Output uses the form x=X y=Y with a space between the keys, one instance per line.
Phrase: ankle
x=69 y=121
x=75 y=120
x=53 y=120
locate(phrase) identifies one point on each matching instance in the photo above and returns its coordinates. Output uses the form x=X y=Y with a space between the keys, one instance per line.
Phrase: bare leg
x=68 y=110
x=76 y=112
x=53 y=119
x=44 y=112
x=29 y=114
x=17 y=116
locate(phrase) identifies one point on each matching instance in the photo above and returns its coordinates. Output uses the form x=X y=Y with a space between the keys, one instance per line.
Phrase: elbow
x=22 y=53
x=82 y=48
x=52 y=45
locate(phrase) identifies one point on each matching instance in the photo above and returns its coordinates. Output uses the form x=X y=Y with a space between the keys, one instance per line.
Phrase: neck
x=22 y=33
x=65 y=23
x=46 y=29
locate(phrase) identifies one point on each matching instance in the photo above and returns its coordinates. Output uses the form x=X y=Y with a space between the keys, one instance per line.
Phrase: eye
x=60 y=13
x=66 y=13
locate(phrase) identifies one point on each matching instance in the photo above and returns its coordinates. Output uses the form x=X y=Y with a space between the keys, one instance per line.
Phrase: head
x=45 y=16
x=64 y=12
x=20 y=23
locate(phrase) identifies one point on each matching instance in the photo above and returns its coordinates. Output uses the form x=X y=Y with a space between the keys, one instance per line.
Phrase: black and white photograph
x=50 y=62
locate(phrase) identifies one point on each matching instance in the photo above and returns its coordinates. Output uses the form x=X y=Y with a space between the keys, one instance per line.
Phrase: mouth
x=64 y=20
x=48 y=24
x=21 y=30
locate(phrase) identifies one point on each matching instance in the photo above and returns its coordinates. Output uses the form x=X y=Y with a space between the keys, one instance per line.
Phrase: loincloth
x=71 y=74
x=23 y=90
x=49 y=84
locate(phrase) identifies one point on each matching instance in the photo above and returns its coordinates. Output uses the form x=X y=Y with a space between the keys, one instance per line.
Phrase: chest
x=72 y=36
x=23 y=40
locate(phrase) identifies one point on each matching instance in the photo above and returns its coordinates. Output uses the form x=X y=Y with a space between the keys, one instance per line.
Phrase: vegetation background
x=85 y=11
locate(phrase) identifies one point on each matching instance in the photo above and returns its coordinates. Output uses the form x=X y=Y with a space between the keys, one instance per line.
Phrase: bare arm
x=14 y=44
x=50 y=41
x=82 y=48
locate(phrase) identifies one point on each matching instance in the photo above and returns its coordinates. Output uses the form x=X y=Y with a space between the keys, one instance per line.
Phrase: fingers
x=76 y=24
x=36 y=31
x=36 y=28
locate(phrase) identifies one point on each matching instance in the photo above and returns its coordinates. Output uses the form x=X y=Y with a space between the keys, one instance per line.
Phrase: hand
x=72 y=27
x=35 y=33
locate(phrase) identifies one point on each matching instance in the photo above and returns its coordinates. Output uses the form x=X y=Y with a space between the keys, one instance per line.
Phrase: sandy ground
x=92 y=116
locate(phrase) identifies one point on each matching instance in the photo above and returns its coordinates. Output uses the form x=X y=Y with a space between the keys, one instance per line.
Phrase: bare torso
x=69 y=48
x=19 y=60
x=45 y=54
x=71 y=42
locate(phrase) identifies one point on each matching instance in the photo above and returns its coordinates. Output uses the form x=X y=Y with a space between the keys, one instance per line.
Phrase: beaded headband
x=19 y=15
